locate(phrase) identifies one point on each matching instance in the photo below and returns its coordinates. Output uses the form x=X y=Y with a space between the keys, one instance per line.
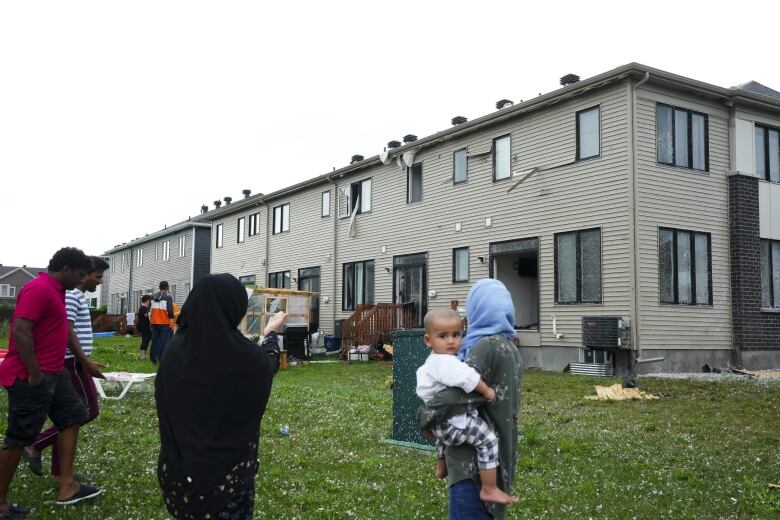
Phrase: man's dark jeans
x=465 y=503
x=160 y=336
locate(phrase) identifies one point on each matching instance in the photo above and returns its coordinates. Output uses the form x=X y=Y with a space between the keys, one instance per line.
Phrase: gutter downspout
x=633 y=230
x=268 y=227
x=334 y=214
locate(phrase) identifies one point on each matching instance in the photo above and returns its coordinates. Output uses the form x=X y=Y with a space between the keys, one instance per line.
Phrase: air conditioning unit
x=605 y=332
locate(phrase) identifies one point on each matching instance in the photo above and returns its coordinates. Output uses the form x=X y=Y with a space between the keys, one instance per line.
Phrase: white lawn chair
x=126 y=379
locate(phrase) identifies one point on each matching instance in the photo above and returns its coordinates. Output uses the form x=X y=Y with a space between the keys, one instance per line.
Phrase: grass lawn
x=704 y=450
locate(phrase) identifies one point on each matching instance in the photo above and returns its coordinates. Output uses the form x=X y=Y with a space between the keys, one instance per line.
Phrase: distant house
x=12 y=279
x=178 y=254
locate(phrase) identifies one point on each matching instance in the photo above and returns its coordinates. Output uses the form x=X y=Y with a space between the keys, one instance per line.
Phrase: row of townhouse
x=636 y=193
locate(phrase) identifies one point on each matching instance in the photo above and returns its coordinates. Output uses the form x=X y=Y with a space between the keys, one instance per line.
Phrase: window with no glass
x=578 y=266
x=281 y=219
x=240 y=229
x=355 y=198
x=357 y=284
x=254 y=224
x=588 y=133
x=502 y=147
x=280 y=280
x=684 y=267
x=414 y=183
x=681 y=137
x=767 y=145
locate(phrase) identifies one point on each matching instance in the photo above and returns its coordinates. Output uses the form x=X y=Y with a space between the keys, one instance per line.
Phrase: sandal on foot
x=15 y=511
x=34 y=463
x=85 y=492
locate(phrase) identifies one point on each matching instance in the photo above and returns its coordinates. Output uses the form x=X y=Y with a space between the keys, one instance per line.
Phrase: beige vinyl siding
x=240 y=259
x=684 y=199
x=591 y=193
x=306 y=244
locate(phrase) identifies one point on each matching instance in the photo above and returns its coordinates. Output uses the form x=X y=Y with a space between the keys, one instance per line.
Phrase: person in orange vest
x=160 y=317
x=175 y=317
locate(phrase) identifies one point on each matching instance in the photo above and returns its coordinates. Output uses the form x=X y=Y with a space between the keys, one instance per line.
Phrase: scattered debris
x=616 y=392
x=773 y=486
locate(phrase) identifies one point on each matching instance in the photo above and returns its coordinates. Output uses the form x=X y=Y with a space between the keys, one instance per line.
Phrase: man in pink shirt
x=32 y=374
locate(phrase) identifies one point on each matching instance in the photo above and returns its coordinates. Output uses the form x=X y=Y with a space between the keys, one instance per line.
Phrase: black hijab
x=212 y=386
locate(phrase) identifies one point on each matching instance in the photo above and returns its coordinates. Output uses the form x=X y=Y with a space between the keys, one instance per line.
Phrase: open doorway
x=516 y=264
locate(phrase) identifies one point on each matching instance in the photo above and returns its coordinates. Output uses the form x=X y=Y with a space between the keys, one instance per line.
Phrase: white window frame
x=7 y=291
x=254 y=224
x=156 y=250
x=166 y=250
x=182 y=246
x=139 y=257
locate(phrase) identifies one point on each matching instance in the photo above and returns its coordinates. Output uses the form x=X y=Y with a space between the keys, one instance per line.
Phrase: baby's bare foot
x=496 y=495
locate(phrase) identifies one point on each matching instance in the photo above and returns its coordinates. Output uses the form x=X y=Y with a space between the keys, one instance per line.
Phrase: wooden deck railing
x=110 y=322
x=370 y=324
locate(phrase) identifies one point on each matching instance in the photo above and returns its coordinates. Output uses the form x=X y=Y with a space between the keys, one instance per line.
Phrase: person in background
x=142 y=324
x=33 y=374
x=211 y=391
x=160 y=318
x=77 y=363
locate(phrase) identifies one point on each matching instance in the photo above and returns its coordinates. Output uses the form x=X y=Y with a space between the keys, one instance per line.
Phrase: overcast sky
x=117 y=118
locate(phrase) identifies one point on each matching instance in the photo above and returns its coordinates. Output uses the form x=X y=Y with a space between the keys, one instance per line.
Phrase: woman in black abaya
x=211 y=390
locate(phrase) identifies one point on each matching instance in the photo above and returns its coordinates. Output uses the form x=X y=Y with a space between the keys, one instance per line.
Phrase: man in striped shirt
x=77 y=363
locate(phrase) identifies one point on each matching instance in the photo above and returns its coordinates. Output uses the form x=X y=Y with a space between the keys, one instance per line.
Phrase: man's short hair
x=72 y=257
x=145 y=298
x=98 y=264
x=440 y=314
x=163 y=285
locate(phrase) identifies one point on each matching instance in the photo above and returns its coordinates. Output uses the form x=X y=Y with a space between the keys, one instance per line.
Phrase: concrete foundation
x=761 y=359
x=679 y=360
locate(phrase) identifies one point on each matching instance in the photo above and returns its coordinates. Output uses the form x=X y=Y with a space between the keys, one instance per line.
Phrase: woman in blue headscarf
x=487 y=347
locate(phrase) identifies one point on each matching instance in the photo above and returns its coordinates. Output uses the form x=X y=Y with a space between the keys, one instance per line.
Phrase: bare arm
x=23 y=340
x=485 y=391
x=74 y=345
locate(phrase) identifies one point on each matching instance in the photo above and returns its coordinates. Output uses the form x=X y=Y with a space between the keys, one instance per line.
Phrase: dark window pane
x=460 y=165
x=663 y=134
x=760 y=152
x=774 y=155
x=766 y=274
x=684 y=267
x=369 y=281
x=666 y=255
x=681 y=138
x=776 y=274
x=348 y=283
x=698 y=137
x=588 y=125
x=414 y=183
x=590 y=258
x=702 y=243
x=566 y=258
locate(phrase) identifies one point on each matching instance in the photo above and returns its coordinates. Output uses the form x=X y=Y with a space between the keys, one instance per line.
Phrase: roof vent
x=393 y=144
x=228 y=200
x=246 y=193
x=410 y=138
x=356 y=158
x=204 y=209
x=569 y=79
x=504 y=103
x=459 y=120
x=217 y=203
